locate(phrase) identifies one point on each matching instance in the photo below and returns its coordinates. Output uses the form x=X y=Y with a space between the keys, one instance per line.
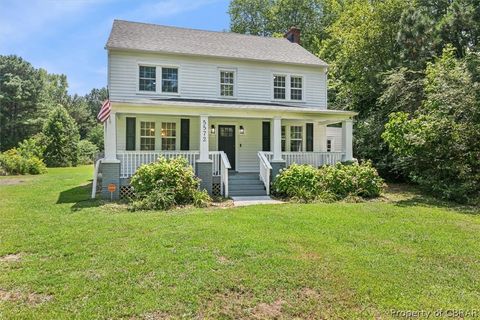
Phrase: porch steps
x=245 y=184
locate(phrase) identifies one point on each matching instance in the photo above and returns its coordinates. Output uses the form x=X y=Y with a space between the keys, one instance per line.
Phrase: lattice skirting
x=216 y=189
x=126 y=192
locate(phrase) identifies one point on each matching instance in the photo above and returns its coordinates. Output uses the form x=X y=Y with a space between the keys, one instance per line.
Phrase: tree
x=439 y=144
x=61 y=139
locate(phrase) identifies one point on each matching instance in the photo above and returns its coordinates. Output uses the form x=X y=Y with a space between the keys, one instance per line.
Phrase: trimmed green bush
x=13 y=163
x=166 y=183
x=305 y=183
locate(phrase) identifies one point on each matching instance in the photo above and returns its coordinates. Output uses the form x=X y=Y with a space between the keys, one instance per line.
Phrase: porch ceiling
x=229 y=109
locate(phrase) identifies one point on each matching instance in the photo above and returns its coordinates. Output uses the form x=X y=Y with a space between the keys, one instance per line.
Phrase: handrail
x=225 y=166
x=95 y=178
x=265 y=171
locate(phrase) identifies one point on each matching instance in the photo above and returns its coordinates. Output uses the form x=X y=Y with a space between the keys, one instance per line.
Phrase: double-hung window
x=279 y=87
x=284 y=138
x=296 y=138
x=169 y=80
x=296 y=87
x=329 y=145
x=147 y=78
x=169 y=135
x=147 y=135
x=227 y=83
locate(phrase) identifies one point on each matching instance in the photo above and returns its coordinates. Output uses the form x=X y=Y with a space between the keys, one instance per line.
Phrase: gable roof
x=128 y=35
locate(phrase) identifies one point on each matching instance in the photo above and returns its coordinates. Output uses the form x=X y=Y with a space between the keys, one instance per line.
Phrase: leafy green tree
x=439 y=144
x=95 y=136
x=79 y=110
x=94 y=100
x=61 y=139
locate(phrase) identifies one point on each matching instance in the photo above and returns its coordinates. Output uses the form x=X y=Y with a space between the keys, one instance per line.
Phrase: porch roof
x=224 y=108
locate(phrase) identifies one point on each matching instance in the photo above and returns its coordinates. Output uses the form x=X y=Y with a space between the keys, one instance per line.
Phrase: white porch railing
x=315 y=159
x=265 y=170
x=130 y=161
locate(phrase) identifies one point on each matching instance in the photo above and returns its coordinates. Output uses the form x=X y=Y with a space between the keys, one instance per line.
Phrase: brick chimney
x=293 y=35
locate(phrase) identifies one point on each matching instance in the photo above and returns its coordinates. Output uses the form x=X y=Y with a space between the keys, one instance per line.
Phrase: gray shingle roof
x=156 y=38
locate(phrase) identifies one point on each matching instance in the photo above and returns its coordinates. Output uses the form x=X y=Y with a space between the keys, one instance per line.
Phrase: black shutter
x=309 y=136
x=265 y=136
x=131 y=129
x=185 y=134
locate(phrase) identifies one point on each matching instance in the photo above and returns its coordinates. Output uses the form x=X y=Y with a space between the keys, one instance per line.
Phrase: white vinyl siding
x=198 y=78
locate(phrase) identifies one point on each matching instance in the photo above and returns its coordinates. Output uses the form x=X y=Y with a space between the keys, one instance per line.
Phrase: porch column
x=347 y=138
x=277 y=162
x=110 y=166
x=204 y=170
x=277 y=139
x=110 y=142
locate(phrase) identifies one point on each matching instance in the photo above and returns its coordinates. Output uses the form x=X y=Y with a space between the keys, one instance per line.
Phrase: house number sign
x=204 y=130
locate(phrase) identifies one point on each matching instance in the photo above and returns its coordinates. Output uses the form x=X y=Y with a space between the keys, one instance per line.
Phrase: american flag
x=104 y=112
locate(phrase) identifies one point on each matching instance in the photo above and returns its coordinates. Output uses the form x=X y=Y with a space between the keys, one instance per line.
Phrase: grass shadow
x=404 y=195
x=79 y=197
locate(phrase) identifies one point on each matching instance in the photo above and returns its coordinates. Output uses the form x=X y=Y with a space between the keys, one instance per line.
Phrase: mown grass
x=76 y=258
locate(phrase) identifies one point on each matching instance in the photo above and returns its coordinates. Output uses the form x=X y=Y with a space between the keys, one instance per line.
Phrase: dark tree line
x=28 y=96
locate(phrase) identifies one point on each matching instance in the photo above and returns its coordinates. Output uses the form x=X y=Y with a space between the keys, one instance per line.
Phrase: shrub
x=351 y=180
x=12 y=163
x=86 y=152
x=165 y=183
x=297 y=181
x=32 y=147
x=328 y=183
x=201 y=199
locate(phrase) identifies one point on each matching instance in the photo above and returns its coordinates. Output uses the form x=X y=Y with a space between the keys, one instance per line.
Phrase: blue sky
x=68 y=36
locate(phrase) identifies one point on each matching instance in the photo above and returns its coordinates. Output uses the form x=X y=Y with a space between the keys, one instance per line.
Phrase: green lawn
x=62 y=255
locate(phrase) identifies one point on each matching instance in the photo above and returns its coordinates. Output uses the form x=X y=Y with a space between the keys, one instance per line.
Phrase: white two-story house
x=238 y=107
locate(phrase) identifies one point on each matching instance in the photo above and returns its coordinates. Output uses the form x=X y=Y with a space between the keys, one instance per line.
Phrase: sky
x=69 y=36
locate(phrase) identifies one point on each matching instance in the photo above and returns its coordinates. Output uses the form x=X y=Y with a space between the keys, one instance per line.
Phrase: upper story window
x=227 y=82
x=279 y=87
x=170 y=80
x=169 y=135
x=296 y=87
x=147 y=135
x=147 y=78
x=287 y=87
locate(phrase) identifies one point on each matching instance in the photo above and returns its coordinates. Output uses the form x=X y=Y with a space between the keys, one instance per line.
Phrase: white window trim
x=219 y=90
x=290 y=87
x=287 y=87
x=158 y=74
x=140 y=135
x=302 y=139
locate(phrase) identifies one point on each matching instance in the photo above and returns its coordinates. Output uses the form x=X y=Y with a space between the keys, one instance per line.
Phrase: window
x=329 y=145
x=296 y=138
x=170 y=80
x=279 y=83
x=295 y=88
x=284 y=138
x=147 y=135
x=169 y=135
x=227 y=83
x=147 y=78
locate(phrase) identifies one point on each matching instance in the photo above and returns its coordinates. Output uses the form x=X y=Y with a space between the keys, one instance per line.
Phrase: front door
x=226 y=142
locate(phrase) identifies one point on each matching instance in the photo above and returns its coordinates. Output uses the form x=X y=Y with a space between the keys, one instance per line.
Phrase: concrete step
x=243 y=176
x=248 y=182
x=237 y=193
x=233 y=187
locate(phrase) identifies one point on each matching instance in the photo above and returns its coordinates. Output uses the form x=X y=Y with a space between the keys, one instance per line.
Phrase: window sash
x=169 y=135
x=279 y=87
x=296 y=88
x=147 y=78
x=296 y=138
x=147 y=135
x=227 y=83
x=284 y=138
x=329 y=145
x=170 y=80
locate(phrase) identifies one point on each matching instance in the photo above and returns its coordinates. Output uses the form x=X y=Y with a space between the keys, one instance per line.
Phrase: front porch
x=218 y=141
